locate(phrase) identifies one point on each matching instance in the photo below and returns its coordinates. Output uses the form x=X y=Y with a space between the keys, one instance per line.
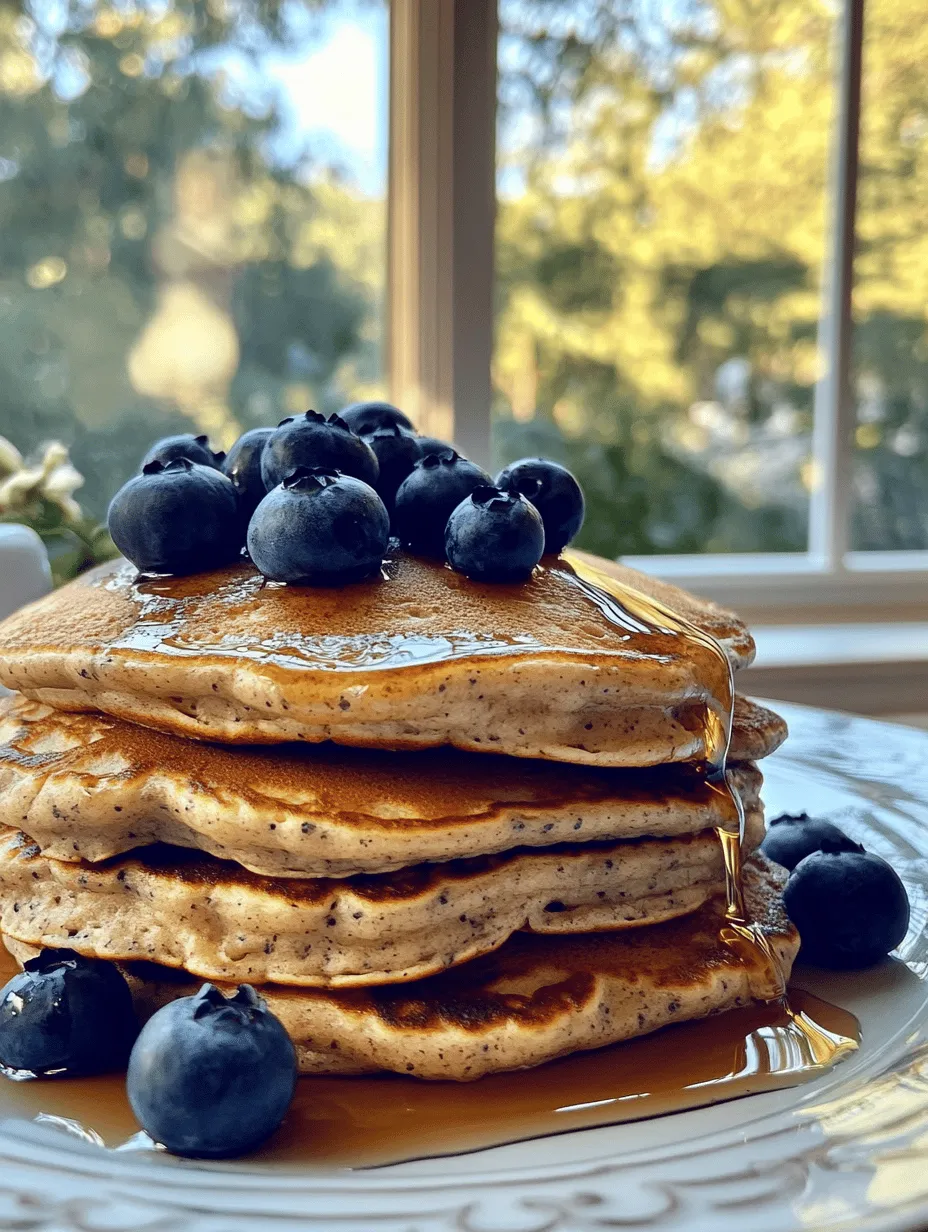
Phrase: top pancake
x=572 y=665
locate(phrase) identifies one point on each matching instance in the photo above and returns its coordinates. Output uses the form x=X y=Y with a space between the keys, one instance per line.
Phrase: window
x=890 y=354
x=661 y=236
x=702 y=299
x=758 y=415
x=193 y=219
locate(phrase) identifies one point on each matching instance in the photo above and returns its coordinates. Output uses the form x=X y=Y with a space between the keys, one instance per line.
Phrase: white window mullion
x=831 y=502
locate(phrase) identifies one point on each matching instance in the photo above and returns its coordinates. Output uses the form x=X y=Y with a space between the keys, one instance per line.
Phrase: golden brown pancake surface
x=90 y=786
x=571 y=665
x=214 y=919
x=534 y=999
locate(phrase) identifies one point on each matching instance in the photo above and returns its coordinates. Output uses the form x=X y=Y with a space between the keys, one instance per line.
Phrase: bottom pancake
x=182 y=909
x=535 y=999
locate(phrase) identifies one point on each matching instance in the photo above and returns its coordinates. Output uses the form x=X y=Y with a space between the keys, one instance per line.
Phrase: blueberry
x=495 y=535
x=178 y=517
x=211 y=1076
x=431 y=444
x=313 y=440
x=319 y=526
x=793 y=836
x=429 y=495
x=367 y=417
x=65 y=1014
x=850 y=907
x=196 y=448
x=397 y=453
x=243 y=466
x=553 y=491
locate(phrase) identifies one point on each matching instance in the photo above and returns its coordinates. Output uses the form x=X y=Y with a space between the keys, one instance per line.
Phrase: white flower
x=53 y=479
x=70 y=508
x=54 y=454
x=20 y=487
x=10 y=458
x=61 y=481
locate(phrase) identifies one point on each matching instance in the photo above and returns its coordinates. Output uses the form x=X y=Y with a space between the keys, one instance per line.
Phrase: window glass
x=192 y=220
x=661 y=230
x=890 y=281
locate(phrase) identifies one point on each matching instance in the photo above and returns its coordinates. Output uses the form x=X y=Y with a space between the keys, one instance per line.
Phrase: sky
x=333 y=95
x=331 y=87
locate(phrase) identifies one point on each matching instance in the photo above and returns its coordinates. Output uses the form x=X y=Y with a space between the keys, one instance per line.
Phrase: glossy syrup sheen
x=370 y=1121
x=739 y=933
x=417 y=613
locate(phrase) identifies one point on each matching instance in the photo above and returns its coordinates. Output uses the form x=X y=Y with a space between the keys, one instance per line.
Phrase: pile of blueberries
x=849 y=905
x=317 y=500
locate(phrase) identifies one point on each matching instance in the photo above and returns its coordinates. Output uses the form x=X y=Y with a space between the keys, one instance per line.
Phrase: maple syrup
x=370 y=1121
x=416 y=613
x=738 y=932
x=779 y=1041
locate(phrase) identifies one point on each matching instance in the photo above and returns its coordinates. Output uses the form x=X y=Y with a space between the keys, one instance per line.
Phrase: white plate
x=847 y=1151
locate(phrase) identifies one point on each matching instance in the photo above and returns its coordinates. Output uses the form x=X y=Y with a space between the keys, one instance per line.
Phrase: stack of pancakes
x=449 y=828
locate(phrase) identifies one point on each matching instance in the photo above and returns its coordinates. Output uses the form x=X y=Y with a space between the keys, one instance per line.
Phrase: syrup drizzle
x=741 y=934
x=417 y=614
x=387 y=1118
x=779 y=1041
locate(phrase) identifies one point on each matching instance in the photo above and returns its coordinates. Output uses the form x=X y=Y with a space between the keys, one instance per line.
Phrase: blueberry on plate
x=243 y=466
x=367 y=417
x=429 y=495
x=196 y=448
x=793 y=836
x=553 y=491
x=211 y=1076
x=177 y=517
x=321 y=527
x=64 y=1014
x=495 y=535
x=313 y=440
x=850 y=907
x=397 y=453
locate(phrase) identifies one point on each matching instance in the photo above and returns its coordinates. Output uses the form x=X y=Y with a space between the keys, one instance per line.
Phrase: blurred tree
x=891 y=283
x=661 y=234
x=158 y=269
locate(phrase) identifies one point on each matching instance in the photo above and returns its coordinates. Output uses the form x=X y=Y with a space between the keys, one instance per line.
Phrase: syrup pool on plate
x=368 y=1121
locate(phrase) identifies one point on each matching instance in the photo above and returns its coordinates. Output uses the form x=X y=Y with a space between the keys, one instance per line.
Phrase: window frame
x=440 y=305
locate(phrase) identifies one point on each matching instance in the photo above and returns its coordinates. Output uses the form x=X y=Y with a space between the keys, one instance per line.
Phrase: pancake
x=89 y=786
x=218 y=921
x=577 y=664
x=534 y=999
x=756 y=732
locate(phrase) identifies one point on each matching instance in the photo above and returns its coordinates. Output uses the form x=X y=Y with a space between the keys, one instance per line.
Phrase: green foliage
x=158 y=273
x=661 y=237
